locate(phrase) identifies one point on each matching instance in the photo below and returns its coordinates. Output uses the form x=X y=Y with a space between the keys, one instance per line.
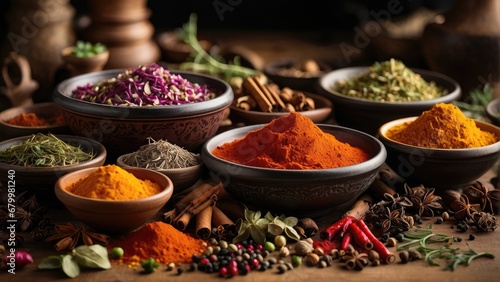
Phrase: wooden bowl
x=319 y=114
x=45 y=110
x=114 y=216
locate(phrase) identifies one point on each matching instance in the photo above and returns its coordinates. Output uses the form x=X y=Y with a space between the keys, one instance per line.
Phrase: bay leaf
x=51 y=262
x=87 y=256
x=70 y=266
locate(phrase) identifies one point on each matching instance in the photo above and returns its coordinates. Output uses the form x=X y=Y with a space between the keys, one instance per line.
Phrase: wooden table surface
x=301 y=47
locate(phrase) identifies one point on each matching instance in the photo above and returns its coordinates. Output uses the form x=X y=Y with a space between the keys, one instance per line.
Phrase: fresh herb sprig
x=204 y=62
x=419 y=239
x=479 y=99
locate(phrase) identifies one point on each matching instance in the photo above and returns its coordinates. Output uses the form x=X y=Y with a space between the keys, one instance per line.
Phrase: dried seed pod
x=404 y=256
x=376 y=262
x=319 y=251
x=326 y=258
x=289 y=108
x=309 y=225
x=410 y=220
x=311 y=259
x=284 y=252
x=392 y=242
x=450 y=196
x=335 y=253
x=373 y=255
x=322 y=264
x=445 y=215
x=415 y=255
x=286 y=94
x=303 y=248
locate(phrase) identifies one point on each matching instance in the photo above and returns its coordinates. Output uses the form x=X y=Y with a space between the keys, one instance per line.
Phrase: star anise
x=224 y=232
x=485 y=221
x=394 y=221
x=355 y=260
x=488 y=200
x=42 y=231
x=424 y=201
x=463 y=209
x=396 y=201
x=68 y=236
x=27 y=219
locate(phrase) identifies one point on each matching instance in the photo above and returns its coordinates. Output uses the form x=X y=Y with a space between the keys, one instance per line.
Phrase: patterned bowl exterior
x=124 y=129
x=297 y=191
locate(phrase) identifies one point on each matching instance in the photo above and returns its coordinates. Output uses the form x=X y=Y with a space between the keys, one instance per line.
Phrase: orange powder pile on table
x=160 y=241
x=112 y=182
x=290 y=142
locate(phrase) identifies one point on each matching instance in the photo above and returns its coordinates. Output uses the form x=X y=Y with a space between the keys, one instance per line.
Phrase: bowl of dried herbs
x=365 y=98
x=37 y=161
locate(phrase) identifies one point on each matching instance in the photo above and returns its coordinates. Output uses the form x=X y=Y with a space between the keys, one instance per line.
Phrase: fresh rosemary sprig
x=419 y=239
x=204 y=62
x=479 y=99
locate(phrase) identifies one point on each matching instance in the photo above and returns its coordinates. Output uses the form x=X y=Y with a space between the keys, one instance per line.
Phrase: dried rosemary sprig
x=44 y=150
x=161 y=154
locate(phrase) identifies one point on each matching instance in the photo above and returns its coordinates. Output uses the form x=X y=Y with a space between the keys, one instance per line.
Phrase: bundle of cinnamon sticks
x=200 y=204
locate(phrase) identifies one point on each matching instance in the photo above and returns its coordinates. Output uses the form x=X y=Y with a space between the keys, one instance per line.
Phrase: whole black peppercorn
x=180 y=270
x=439 y=220
x=472 y=236
x=400 y=237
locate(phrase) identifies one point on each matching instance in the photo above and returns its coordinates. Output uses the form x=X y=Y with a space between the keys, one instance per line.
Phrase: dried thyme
x=161 y=154
x=390 y=81
x=42 y=150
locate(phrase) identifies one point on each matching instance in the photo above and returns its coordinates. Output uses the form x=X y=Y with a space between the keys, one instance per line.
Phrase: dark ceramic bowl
x=46 y=110
x=114 y=216
x=304 y=192
x=323 y=109
x=493 y=111
x=273 y=70
x=125 y=129
x=439 y=168
x=367 y=115
x=40 y=178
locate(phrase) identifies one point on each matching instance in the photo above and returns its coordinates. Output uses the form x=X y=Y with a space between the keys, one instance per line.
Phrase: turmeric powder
x=444 y=126
x=112 y=182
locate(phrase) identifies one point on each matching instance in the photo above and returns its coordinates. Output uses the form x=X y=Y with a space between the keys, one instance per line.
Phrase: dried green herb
x=44 y=150
x=390 y=81
x=161 y=155
x=85 y=49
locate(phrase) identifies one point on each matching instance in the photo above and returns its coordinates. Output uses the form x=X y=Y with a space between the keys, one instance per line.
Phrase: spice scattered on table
x=290 y=142
x=444 y=126
x=161 y=154
x=44 y=150
x=390 y=81
x=160 y=241
x=112 y=182
x=149 y=85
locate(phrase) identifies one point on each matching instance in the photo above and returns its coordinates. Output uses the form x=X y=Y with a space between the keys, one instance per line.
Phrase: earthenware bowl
x=323 y=109
x=493 y=111
x=302 y=192
x=125 y=129
x=273 y=70
x=367 y=115
x=114 y=216
x=182 y=178
x=175 y=50
x=439 y=168
x=45 y=110
x=40 y=178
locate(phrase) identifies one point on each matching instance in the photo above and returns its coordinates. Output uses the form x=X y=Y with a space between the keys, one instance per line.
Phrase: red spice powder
x=160 y=241
x=291 y=142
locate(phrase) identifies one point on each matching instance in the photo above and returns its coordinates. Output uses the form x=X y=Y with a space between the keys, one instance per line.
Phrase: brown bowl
x=45 y=110
x=307 y=83
x=114 y=216
x=125 y=129
x=319 y=114
x=41 y=178
x=182 y=178
x=493 y=111
x=174 y=50
x=439 y=168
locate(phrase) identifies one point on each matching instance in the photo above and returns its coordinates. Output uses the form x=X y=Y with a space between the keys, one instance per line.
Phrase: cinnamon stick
x=262 y=101
x=204 y=223
x=183 y=219
x=379 y=188
x=220 y=218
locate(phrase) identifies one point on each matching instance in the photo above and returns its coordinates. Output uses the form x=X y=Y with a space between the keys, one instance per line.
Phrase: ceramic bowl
x=367 y=115
x=174 y=50
x=45 y=110
x=182 y=178
x=125 y=129
x=439 y=168
x=114 y=216
x=39 y=178
x=493 y=111
x=319 y=114
x=302 y=192
x=273 y=70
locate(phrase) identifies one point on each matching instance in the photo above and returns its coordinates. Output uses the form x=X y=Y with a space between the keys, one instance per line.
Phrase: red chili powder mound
x=290 y=142
x=160 y=241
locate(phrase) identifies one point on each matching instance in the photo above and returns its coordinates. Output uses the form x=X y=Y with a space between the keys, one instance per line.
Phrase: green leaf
x=256 y=216
x=70 y=266
x=258 y=234
x=269 y=216
x=291 y=221
x=51 y=262
x=249 y=215
x=95 y=256
x=262 y=223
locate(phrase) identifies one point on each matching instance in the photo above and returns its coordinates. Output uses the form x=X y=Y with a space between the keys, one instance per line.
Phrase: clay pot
x=466 y=46
x=77 y=65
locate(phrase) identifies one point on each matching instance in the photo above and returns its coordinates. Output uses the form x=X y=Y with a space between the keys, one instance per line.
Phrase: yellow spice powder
x=112 y=182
